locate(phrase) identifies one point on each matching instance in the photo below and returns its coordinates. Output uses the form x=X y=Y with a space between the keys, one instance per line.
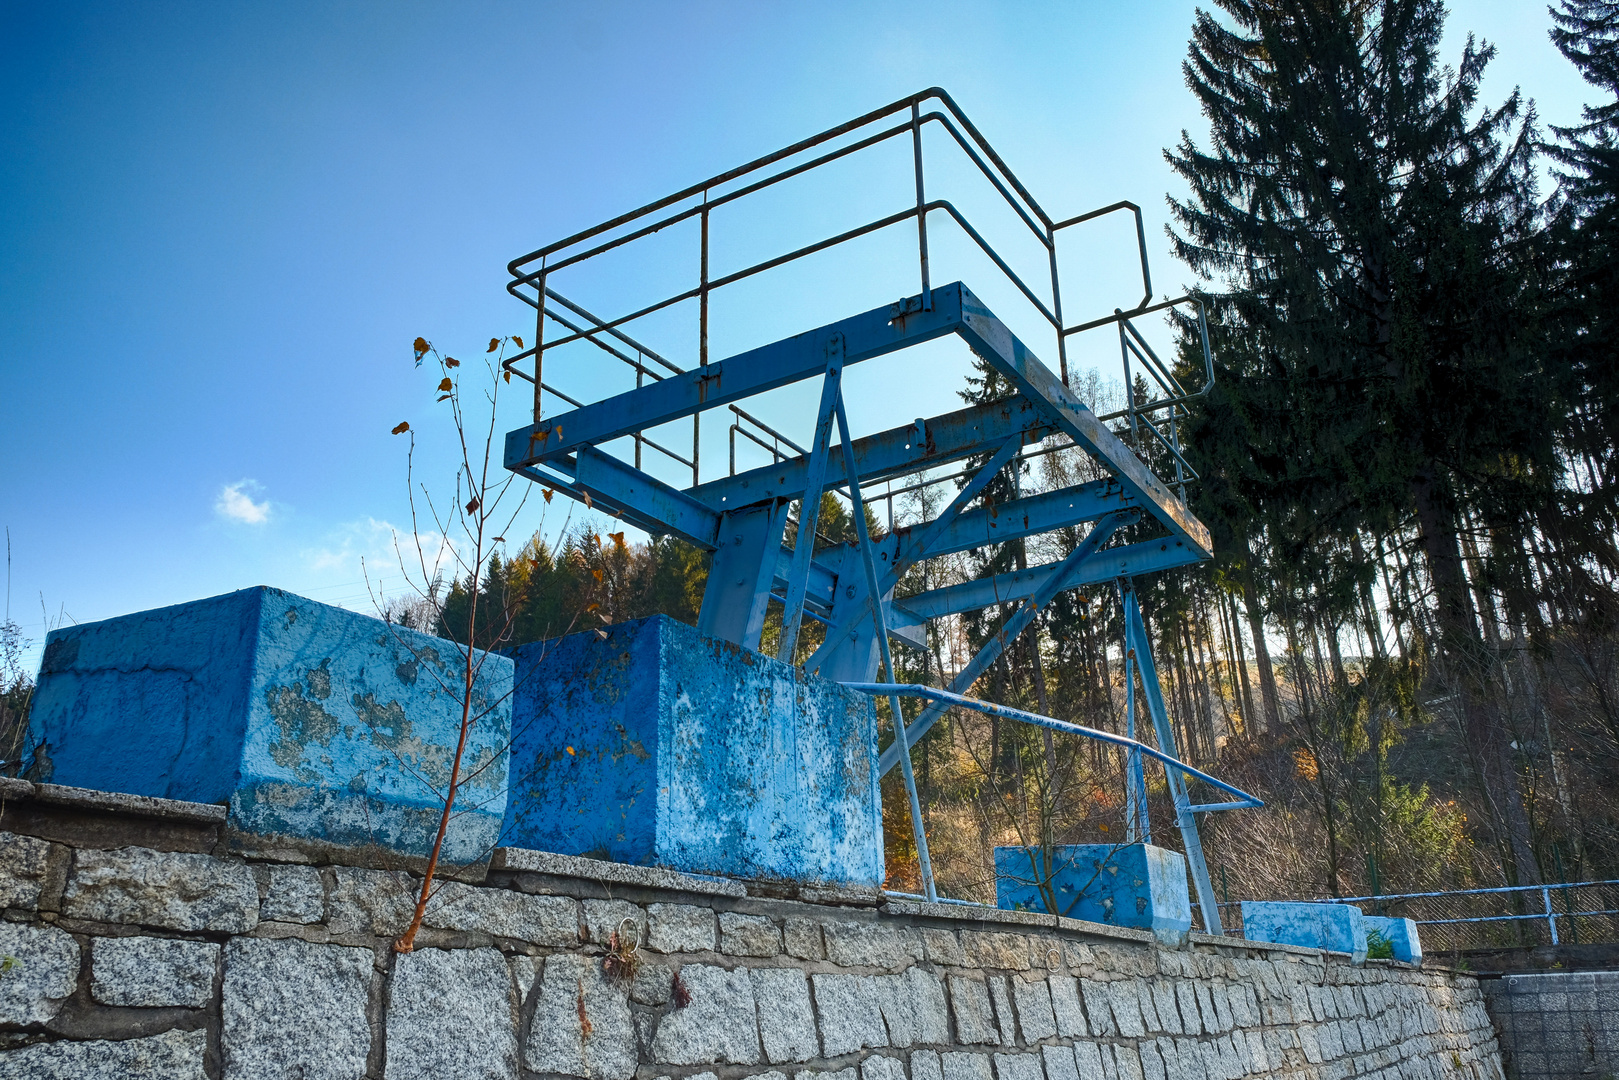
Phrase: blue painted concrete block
x=308 y=720
x=1134 y=885
x=1400 y=933
x=1335 y=927
x=648 y=743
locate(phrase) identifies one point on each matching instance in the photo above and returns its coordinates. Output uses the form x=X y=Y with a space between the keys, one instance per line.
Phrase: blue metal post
x=809 y=507
x=1136 y=637
x=1138 y=828
x=875 y=601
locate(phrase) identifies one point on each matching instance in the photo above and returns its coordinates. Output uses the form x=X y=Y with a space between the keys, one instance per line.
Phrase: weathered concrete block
x=153 y=972
x=786 y=1018
x=450 y=1013
x=574 y=990
x=692 y=754
x=310 y=721
x=718 y=1025
x=172 y=890
x=296 y=895
x=173 y=1055
x=1401 y=934
x=42 y=970
x=295 y=1009
x=1334 y=927
x=1136 y=885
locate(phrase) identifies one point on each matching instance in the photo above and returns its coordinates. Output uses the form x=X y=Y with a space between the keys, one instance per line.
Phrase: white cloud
x=234 y=504
x=383 y=552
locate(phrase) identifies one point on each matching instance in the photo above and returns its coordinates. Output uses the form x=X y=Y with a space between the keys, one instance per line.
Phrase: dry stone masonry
x=137 y=943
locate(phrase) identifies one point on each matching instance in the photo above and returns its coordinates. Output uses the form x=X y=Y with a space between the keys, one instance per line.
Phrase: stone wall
x=138 y=940
x=1557 y=1025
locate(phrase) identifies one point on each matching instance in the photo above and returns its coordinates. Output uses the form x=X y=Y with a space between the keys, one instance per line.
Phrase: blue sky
x=221 y=225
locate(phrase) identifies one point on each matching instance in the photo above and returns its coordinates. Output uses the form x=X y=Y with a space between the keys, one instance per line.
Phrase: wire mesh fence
x=1575 y=913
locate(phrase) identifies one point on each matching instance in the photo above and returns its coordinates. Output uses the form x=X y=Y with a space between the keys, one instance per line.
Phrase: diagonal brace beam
x=1009 y=631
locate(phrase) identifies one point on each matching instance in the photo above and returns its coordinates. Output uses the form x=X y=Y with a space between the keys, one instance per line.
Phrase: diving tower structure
x=760 y=524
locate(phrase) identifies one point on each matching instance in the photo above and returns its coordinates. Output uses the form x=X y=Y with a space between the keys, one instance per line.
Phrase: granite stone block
x=153 y=972
x=451 y=1013
x=39 y=966
x=292 y=1008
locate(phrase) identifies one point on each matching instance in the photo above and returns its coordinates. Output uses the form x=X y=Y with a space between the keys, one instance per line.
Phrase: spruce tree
x=1365 y=231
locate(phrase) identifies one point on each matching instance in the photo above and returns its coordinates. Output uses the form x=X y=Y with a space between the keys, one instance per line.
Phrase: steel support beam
x=900 y=451
x=803 y=356
x=1144 y=557
x=991 y=340
x=1010 y=630
x=618 y=483
x=809 y=507
x=1140 y=647
x=742 y=574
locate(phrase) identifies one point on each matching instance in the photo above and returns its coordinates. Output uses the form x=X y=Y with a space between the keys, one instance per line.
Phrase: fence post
x=1551 y=916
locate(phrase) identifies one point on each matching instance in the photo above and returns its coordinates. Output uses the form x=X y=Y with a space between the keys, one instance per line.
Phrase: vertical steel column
x=1138 y=829
x=1195 y=863
x=852 y=471
x=1129 y=385
x=809 y=508
x=539 y=343
x=1056 y=305
x=921 y=201
x=702 y=339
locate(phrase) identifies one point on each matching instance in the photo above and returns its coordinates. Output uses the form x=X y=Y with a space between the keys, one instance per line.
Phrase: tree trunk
x=1242 y=665
x=1469 y=664
x=1267 y=674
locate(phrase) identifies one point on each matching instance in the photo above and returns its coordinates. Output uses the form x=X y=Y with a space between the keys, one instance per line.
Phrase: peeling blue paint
x=1401 y=934
x=649 y=743
x=308 y=720
x=1336 y=927
x=1134 y=885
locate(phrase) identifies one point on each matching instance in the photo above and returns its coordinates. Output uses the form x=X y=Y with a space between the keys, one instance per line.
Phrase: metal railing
x=1135 y=749
x=1514 y=916
x=533 y=274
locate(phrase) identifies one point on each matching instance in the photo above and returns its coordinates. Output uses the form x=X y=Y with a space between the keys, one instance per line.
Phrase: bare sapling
x=469 y=530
